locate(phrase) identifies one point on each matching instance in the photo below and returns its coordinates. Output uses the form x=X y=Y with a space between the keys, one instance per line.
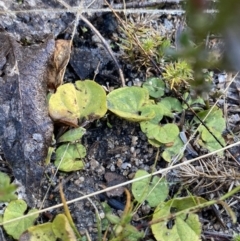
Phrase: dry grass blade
x=208 y=175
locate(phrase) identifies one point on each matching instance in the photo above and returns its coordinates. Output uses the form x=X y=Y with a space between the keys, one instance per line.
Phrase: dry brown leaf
x=59 y=62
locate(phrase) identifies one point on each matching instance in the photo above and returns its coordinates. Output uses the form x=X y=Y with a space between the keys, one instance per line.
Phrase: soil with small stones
x=116 y=149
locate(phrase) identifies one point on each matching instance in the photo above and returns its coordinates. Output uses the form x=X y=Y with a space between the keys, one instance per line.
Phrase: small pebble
x=119 y=162
x=131 y=175
x=146 y=209
x=126 y=165
x=112 y=168
x=216 y=226
x=102 y=215
x=94 y=164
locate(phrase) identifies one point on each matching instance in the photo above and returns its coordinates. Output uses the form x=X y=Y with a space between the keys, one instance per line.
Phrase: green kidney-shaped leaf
x=214 y=120
x=15 y=209
x=160 y=134
x=150 y=127
x=72 y=135
x=166 y=108
x=68 y=157
x=209 y=142
x=153 y=190
x=155 y=87
x=6 y=188
x=167 y=133
x=148 y=109
x=92 y=100
x=154 y=142
x=87 y=100
x=174 y=103
x=127 y=102
x=216 y=124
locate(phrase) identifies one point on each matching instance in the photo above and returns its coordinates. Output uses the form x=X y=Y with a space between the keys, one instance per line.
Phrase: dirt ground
x=121 y=149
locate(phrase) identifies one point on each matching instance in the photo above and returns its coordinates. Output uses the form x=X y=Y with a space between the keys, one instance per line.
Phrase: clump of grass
x=142 y=44
x=177 y=74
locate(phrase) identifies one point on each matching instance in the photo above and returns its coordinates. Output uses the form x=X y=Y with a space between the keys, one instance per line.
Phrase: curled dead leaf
x=59 y=62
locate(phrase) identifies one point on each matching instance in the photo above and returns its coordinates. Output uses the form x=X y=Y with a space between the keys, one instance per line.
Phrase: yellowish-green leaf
x=113 y=218
x=216 y=124
x=41 y=232
x=174 y=103
x=154 y=142
x=155 y=87
x=6 y=188
x=49 y=155
x=209 y=142
x=214 y=120
x=167 y=133
x=16 y=209
x=72 y=135
x=63 y=105
x=154 y=190
x=186 y=227
x=185 y=202
x=68 y=104
x=156 y=133
x=68 y=157
x=59 y=229
x=92 y=100
x=148 y=109
x=127 y=103
x=166 y=108
x=151 y=126
x=62 y=228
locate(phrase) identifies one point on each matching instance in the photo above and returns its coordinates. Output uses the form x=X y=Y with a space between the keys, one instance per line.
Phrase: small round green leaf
x=68 y=157
x=127 y=102
x=214 y=120
x=167 y=133
x=166 y=109
x=148 y=109
x=216 y=124
x=174 y=103
x=150 y=127
x=72 y=135
x=16 y=209
x=209 y=142
x=155 y=87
